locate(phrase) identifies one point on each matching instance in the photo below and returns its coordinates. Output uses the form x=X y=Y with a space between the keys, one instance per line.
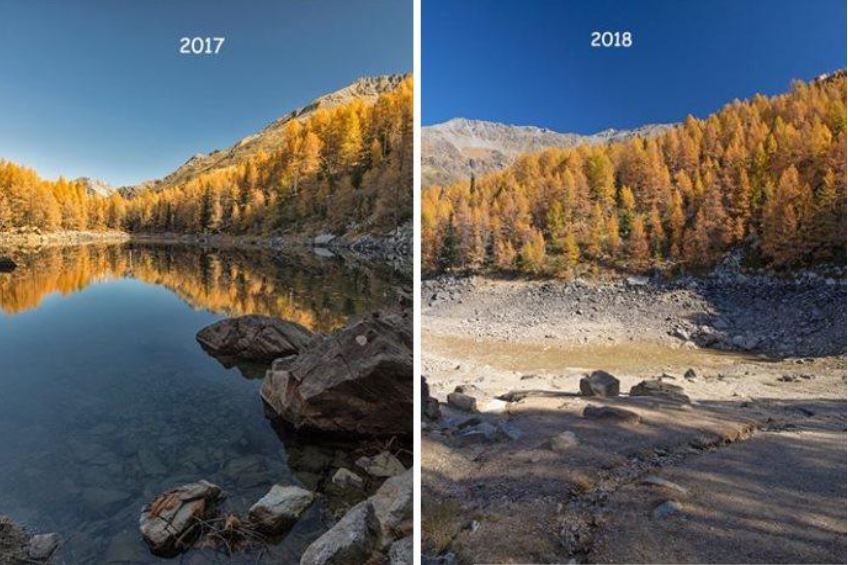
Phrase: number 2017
x=201 y=45
x=612 y=39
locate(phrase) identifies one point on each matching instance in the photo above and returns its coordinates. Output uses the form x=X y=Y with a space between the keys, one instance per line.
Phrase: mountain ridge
x=366 y=88
x=456 y=149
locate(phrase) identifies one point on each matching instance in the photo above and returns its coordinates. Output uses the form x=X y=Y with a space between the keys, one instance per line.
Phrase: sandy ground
x=756 y=460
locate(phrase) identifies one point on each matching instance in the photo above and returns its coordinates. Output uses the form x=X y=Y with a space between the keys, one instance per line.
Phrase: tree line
x=343 y=168
x=766 y=175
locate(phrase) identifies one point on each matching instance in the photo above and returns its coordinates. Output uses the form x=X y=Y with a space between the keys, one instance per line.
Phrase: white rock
x=345 y=479
x=280 y=508
x=352 y=540
x=42 y=546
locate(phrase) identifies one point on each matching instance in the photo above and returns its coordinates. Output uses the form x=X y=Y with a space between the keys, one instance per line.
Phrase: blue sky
x=530 y=63
x=98 y=88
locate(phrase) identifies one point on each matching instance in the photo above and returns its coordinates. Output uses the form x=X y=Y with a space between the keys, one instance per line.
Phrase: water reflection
x=318 y=292
x=107 y=399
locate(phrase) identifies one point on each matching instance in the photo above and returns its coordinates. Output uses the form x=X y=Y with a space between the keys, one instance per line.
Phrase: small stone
x=667 y=508
x=361 y=340
x=384 y=464
x=611 y=413
x=481 y=433
x=347 y=479
x=494 y=406
x=599 y=383
x=42 y=546
x=564 y=441
x=690 y=374
x=665 y=483
x=462 y=401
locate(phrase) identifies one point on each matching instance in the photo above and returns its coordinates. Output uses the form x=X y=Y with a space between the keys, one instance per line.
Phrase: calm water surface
x=107 y=399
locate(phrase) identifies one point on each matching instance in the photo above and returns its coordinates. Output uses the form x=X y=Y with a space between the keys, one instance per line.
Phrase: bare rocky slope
x=455 y=149
x=270 y=138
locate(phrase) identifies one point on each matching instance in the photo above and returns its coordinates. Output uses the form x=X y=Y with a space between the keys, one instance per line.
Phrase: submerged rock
x=599 y=383
x=171 y=522
x=280 y=508
x=353 y=539
x=358 y=380
x=42 y=546
x=253 y=338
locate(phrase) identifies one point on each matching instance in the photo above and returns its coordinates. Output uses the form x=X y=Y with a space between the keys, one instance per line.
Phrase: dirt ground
x=752 y=470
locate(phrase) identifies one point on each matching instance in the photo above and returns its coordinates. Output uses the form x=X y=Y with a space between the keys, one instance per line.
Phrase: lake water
x=108 y=400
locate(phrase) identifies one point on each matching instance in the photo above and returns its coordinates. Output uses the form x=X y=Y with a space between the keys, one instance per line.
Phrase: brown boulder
x=253 y=338
x=358 y=380
x=173 y=520
x=660 y=389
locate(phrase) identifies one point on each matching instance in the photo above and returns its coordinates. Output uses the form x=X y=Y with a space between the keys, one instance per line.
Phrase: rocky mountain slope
x=455 y=149
x=269 y=139
x=95 y=187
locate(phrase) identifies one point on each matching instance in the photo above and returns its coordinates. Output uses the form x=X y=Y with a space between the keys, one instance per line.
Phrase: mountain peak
x=95 y=186
x=455 y=149
x=367 y=88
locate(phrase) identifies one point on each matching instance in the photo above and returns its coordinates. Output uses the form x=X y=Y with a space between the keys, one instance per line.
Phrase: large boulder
x=356 y=381
x=253 y=338
x=172 y=521
x=370 y=528
x=393 y=503
x=353 y=539
x=280 y=508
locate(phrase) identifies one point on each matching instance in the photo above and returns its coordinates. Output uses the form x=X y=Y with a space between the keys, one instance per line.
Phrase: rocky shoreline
x=634 y=420
x=356 y=382
x=19 y=546
x=797 y=316
x=393 y=247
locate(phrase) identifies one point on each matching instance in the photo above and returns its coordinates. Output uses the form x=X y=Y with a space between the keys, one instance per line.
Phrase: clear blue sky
x=97 y=87
x=530 y=63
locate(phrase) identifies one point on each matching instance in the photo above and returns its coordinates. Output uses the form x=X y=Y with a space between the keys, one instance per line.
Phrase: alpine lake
x=108 y=400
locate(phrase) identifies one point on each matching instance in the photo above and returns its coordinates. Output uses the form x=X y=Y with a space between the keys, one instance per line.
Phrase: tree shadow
x=757 y=493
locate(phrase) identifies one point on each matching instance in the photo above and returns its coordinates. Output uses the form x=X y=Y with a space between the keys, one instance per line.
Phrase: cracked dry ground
x=755 y=466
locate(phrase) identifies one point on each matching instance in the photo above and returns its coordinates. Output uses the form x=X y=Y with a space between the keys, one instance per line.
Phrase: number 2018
x=201 y=45
x=612 y=39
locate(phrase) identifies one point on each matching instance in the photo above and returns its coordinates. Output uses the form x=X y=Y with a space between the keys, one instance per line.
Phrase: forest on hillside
x=766 y=175
x=345 y=168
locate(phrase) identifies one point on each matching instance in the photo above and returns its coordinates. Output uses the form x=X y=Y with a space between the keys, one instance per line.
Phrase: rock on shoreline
x=253 y=338
x=356 y=381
